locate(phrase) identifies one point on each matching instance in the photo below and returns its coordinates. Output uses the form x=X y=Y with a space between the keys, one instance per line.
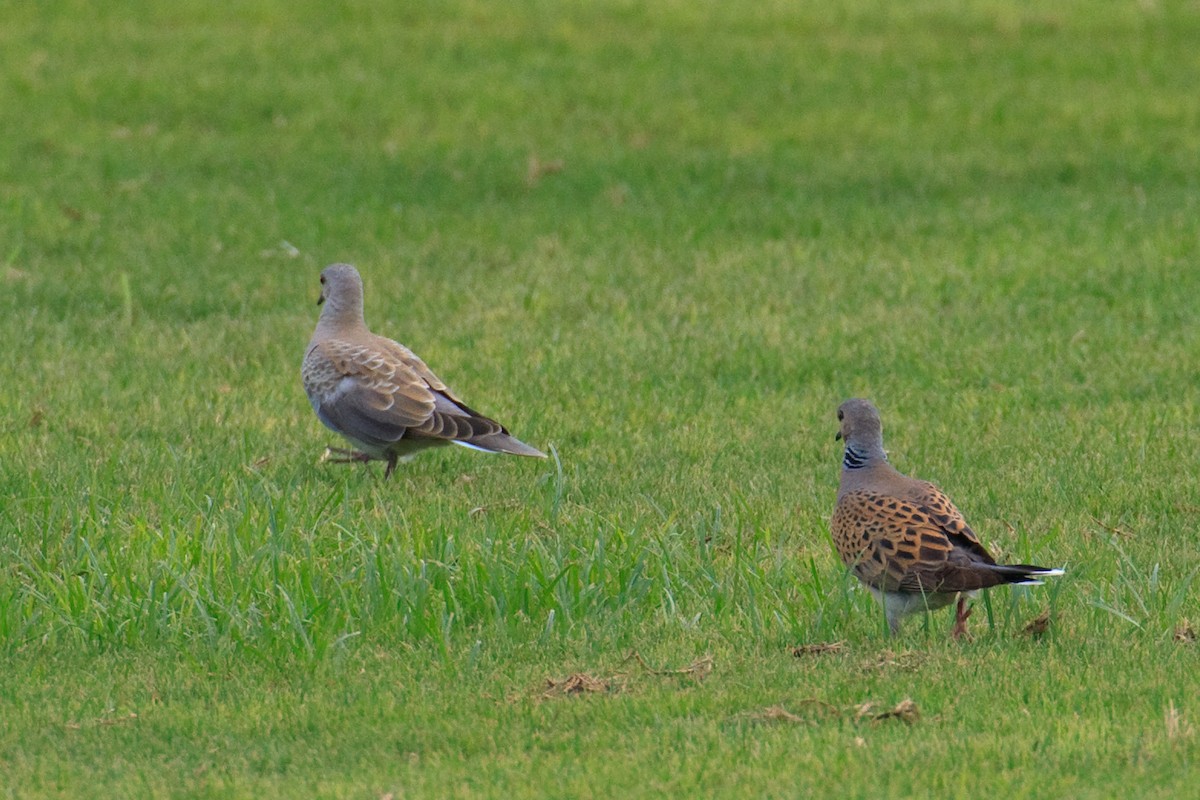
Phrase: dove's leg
x=339 y=455
x=961 y=613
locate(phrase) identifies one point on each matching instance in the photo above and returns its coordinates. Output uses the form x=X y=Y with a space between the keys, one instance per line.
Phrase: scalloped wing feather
x=373 y=384
x=381 y=393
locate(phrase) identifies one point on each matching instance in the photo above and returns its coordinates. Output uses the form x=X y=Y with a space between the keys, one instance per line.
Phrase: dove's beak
x=838 y=436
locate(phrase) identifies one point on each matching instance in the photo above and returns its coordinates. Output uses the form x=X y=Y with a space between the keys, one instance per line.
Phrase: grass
x=664 y=242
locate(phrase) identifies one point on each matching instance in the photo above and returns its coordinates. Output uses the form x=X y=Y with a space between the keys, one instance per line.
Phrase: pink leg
x=961 y=614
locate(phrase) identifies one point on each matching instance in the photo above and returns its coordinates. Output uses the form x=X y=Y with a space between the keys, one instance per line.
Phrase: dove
x=378 y=394
x=903 y=537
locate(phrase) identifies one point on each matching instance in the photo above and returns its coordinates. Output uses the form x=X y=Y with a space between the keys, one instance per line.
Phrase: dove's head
x=860 y=427
x=341 y=293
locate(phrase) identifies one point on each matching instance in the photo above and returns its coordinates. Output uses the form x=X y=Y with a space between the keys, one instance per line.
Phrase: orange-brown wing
x=947 y=517
x=898 y=545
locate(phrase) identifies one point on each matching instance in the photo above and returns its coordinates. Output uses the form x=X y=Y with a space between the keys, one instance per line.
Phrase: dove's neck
x=341 y=315
x=862 y=453
x=863 y=466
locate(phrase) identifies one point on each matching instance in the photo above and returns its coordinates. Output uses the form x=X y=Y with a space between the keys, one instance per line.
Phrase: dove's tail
x=500 y=443
x=1026 y=574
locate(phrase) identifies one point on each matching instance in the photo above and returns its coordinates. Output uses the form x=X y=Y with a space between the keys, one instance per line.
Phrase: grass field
x=663 y=242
